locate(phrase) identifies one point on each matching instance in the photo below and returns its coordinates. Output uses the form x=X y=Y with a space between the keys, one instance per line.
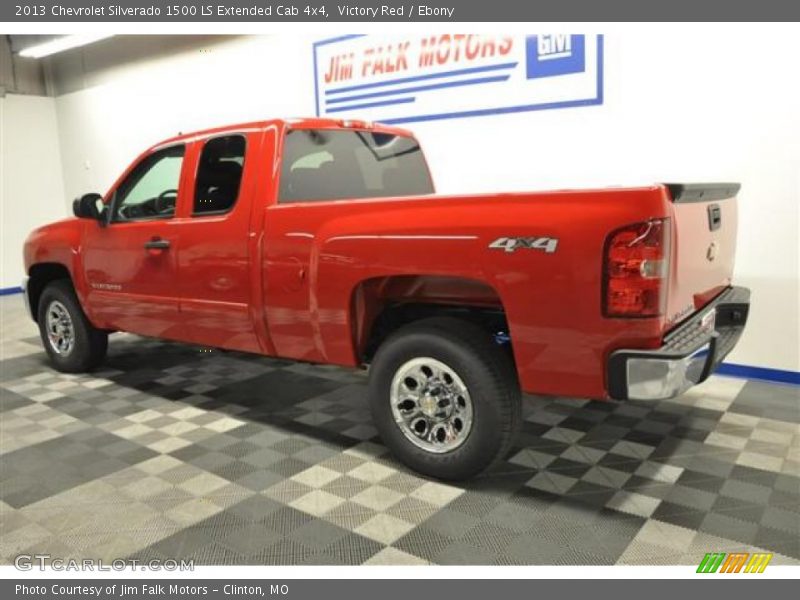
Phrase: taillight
x=636 y=267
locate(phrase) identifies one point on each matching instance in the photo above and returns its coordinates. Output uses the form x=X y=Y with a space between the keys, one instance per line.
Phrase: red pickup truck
x=321 y=240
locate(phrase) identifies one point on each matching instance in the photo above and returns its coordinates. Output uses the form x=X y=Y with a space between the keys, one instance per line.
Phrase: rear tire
x=445 y=398
x=73 y=344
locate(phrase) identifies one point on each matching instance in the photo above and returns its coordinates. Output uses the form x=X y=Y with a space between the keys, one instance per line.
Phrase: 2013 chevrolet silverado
x=321 y=240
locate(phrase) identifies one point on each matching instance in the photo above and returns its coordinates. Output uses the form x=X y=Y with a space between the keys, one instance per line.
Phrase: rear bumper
x=690 y=353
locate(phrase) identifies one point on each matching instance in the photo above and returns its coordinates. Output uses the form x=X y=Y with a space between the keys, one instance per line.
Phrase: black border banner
x=732 y=587
x=366 y=11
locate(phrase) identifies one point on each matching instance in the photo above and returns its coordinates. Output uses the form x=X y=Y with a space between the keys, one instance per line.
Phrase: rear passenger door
x=214 y=256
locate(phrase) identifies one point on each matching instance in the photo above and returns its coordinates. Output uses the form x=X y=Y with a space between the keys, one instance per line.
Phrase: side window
x=219 y=175
x=320 y=164
x=151 y=190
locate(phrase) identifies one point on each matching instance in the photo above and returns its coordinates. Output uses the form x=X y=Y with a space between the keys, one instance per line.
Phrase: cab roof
x=297 y=123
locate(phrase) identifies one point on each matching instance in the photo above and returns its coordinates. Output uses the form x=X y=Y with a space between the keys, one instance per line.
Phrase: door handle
x=156 y=244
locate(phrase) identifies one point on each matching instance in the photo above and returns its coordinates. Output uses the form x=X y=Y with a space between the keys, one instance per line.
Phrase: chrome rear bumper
x=690 y=353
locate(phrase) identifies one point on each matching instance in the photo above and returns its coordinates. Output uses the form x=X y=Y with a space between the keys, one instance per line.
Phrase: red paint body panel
x=552 y=301
x=304 y=280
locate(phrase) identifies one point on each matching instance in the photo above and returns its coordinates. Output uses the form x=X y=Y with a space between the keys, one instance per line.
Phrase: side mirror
x=89 y=206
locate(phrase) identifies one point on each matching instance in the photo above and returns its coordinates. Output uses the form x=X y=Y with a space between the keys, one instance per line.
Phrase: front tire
x=73 y=344
x=445 y=398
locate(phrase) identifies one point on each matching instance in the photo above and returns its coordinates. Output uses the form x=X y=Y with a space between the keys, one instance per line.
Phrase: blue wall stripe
x=10 y=290
x=454 y=72
x=763 y=373
x=420 y=88
x=371 y=104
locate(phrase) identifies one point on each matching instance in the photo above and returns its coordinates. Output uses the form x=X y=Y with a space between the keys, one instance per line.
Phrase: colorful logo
x=736 y=562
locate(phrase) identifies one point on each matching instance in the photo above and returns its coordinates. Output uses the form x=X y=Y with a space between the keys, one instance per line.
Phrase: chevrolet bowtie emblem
x=711 y=253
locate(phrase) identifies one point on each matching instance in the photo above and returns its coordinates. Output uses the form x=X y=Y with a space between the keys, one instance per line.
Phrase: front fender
x=60 y=244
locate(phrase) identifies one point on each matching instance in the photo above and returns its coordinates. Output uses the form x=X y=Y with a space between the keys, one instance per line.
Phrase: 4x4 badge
x=509 y=244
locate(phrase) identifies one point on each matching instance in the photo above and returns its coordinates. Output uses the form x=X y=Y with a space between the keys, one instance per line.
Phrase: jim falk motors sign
x=401 y=79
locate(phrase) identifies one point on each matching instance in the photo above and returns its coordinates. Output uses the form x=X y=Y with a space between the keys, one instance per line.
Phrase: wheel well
x=383 y=305
x=38 y=278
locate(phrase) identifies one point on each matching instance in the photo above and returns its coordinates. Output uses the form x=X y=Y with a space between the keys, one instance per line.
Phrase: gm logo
x=556 y=54
x=736 y=562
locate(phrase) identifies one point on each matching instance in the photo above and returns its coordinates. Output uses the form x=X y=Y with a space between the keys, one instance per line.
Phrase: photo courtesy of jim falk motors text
x=127 y=590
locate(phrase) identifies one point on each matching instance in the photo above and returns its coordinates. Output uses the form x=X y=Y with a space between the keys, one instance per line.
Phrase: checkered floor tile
x=228 y=458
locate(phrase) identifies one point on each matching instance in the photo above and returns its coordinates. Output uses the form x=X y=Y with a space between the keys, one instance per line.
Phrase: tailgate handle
x=714 y=217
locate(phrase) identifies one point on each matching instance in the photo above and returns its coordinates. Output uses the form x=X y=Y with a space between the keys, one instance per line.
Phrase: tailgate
x=704 y=245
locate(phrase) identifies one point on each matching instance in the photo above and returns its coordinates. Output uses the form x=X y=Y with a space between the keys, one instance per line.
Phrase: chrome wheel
x=60 y=332
x=431 y=405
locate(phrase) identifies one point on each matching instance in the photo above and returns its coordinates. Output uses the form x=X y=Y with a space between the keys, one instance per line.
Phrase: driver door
x=131 y=263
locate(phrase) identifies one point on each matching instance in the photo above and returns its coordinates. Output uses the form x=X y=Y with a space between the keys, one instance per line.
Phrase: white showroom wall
x=31 y=184
x=716 y=111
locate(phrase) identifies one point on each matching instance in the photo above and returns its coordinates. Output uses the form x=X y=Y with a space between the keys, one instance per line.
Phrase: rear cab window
x=333 y=164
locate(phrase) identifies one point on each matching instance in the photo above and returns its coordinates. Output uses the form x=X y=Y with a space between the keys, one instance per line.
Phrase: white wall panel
x=31 y=183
